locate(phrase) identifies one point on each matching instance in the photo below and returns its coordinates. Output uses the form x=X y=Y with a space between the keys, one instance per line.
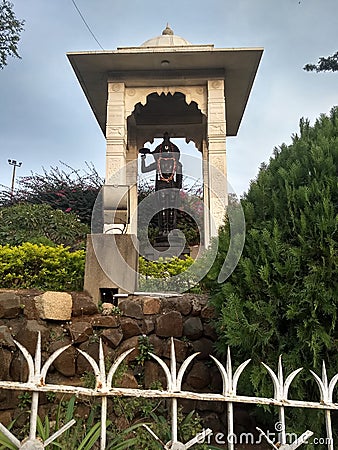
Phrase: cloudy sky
x=45 y=117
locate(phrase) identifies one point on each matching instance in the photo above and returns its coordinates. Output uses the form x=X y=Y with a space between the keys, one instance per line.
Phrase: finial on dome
x=167 y=30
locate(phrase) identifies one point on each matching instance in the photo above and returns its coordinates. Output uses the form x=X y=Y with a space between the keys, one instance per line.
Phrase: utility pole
x=15 y=164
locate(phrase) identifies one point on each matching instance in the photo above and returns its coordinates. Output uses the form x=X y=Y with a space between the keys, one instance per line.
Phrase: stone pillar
x=205 y=172
x=216 y=137
x=131 y=174
x=116 y=134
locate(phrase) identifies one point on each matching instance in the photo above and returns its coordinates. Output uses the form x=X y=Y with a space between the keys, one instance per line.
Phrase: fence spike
x=221 y=368
x=237 y=374
x=50 y=361
x=38 y=356
x=37 y=376
x=289 y=380
x=183 y=368
x=95 y=367
x=166 y=370
x=29 y=359
x=274 y=380
x=115 y=366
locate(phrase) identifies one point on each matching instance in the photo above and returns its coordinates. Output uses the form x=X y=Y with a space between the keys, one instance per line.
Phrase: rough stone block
x=107 y=308
x=28 y=334
x=193 y=328
x=126 y=345
x=208 y=312
x=181 y=350
x=151 y=305
x=83 y=304
x=6 y=339
x=130 y=327
x=198 y=377
x=54 y=305
x=8 y=399
x=6 y=359
x=209 y=331
x=18 y=369
x=128 y=381
x=105 y=321
x=9 y=305
x=157 y=344
x=64 y=363
x=6 y=417
x=112 y=337
x=203 y=345
x=153 y=373
x=82 y=364
x=180 y=303
x=169 y=324
x=80 y=331
x=130 y=308
x=148 y=325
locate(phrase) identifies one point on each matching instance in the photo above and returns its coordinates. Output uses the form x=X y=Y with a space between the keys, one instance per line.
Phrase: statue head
x=166 y=138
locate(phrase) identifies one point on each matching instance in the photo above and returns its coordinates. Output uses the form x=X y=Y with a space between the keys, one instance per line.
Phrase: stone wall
x=74 y=318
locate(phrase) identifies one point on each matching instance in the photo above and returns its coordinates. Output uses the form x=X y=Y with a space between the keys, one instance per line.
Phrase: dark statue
x=168 y=181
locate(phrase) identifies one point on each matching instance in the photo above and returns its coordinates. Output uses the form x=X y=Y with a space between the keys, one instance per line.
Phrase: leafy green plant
x=83 y=435
x=51 y=396
x=38 y=266
x=10 y=32
x=88 y=379
x=188 y=427
x=65 y=189
x=25 y=399
x=144 y=347
x=40 y=224
x=5 y=443
x=282 y=296
x=158 y=274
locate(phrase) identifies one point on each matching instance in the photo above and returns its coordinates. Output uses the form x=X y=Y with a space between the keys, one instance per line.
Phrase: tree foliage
x=329 y=64
x=282 y=297
x=10 y=30
x=68 y=189
x=40 y=224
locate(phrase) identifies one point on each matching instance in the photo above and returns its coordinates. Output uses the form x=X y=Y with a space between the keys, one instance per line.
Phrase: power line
x=84 y=21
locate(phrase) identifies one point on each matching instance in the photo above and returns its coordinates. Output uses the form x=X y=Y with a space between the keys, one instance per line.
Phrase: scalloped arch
x=197 y=94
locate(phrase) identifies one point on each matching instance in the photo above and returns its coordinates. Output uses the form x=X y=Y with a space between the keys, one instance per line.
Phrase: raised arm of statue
x=145 y=168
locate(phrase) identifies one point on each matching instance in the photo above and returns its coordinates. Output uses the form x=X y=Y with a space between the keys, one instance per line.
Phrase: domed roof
x=167 y=39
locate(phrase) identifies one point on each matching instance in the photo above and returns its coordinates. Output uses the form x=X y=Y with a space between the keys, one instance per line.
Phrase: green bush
x=282 y=296
x=64 y=189
x=43 y=267
x=168 y=273
x=40 y=224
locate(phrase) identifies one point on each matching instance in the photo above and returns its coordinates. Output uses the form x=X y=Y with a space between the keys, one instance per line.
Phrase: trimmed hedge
x=42 y=267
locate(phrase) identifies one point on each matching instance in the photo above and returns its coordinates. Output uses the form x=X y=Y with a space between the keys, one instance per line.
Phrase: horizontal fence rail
x=36 y=384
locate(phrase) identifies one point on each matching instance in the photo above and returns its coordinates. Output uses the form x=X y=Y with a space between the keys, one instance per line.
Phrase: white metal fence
x=36 y=384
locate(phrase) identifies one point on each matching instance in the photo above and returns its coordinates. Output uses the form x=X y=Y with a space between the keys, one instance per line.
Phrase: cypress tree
x=282 y=297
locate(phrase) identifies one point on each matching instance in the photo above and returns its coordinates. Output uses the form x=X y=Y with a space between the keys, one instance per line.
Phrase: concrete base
x=111 y=263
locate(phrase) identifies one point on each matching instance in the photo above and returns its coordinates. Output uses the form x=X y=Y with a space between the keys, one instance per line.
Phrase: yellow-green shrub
x=166 y=273
x=39 y=266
